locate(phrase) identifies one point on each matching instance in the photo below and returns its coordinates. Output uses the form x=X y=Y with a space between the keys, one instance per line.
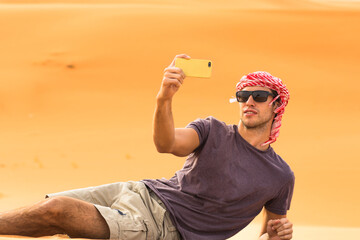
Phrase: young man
x=230 y=174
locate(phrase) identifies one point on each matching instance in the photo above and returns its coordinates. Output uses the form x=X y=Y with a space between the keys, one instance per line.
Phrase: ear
x=276 y=104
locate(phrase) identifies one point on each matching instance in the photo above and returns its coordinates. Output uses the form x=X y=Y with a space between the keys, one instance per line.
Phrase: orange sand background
x=78 y=85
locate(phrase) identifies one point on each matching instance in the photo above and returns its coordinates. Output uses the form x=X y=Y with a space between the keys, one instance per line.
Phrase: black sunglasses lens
x=260 y=96
x=242 y=96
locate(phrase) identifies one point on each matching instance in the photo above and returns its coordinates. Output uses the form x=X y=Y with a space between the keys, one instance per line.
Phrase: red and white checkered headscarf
x=265 y=79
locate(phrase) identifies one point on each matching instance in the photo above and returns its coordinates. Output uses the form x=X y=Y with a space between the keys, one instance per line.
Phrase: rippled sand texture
x=78 y=84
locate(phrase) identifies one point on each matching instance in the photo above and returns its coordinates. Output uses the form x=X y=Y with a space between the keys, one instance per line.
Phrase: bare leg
x=57 y=215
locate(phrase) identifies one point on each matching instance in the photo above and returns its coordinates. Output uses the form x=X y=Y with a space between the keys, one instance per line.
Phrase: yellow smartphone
x=194 y=67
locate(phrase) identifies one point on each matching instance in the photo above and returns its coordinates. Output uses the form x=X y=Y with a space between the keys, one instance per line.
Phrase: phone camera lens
x=209 y=64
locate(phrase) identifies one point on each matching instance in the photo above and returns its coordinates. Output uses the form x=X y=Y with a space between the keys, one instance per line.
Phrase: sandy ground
x=78 y=85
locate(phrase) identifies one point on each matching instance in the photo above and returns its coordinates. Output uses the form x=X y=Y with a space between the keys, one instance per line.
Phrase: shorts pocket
x=133 y=230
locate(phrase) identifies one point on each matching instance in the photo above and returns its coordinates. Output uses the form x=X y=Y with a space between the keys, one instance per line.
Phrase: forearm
x=163 y=125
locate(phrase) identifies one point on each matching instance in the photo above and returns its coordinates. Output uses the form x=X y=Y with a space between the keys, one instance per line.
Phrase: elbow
x=163 y=145
x=171 y=150
x=163 y=148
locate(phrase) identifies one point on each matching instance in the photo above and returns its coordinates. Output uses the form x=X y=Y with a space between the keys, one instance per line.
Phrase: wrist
x=161 y=100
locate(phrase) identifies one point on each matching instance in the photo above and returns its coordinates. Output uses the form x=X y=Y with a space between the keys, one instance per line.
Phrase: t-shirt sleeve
x=202 y=127
x=281 y=203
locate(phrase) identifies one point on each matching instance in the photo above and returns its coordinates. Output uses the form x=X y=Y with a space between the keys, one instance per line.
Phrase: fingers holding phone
x=180 y=67
x=172 y=80
x=175 y=73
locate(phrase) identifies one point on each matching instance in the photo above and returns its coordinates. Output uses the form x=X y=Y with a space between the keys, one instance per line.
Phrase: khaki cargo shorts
x=131 y=210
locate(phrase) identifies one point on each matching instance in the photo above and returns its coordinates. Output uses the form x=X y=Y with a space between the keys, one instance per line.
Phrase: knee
x=54 y=209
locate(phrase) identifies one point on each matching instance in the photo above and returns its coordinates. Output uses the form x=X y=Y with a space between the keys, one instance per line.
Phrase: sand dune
x=78 y=85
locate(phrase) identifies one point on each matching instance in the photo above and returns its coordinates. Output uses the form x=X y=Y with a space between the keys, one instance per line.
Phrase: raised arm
x=167 y=139
x=275 y=227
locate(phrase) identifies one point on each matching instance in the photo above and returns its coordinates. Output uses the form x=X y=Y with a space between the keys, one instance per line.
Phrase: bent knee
x=56 y=208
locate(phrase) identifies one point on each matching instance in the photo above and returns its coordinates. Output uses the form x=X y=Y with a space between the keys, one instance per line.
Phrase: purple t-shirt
x=224 y=184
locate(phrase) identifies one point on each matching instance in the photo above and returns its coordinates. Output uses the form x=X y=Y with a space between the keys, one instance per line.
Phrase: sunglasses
x=258 y=96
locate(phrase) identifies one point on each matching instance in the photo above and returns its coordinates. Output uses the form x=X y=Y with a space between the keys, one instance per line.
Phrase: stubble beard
x=257 y=125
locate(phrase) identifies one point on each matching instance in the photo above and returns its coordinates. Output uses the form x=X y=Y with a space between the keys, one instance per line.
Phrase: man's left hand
x=279 y=229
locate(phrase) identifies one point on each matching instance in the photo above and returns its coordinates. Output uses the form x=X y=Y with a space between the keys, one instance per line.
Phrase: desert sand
x=78 y=82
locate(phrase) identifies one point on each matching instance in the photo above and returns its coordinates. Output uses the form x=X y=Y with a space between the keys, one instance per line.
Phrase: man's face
x=257 y=114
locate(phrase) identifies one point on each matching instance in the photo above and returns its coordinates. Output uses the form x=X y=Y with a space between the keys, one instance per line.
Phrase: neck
x=255 y=136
